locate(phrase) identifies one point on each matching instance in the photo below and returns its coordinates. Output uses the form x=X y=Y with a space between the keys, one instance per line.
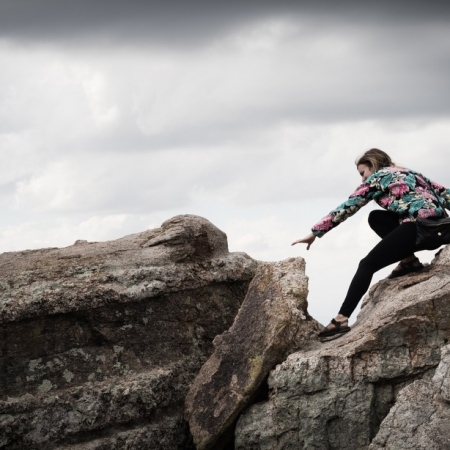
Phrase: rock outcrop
x=372 y=387
x=100 y=341
x=272 y=322
x=104 y=346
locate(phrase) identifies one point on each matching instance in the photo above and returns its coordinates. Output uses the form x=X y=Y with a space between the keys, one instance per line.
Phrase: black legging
x=398 y=242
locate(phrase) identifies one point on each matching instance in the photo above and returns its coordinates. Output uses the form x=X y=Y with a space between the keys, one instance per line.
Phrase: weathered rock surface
x=375 y=384
x=100 y=341
x=420 y=418
x=272 y=322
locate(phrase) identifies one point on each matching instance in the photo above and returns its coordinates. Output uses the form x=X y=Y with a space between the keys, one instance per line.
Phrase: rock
x=420 y=418
x=197 y=241
x=100 y=341
x=272 y=322
x=441 y=377
x=336 y=395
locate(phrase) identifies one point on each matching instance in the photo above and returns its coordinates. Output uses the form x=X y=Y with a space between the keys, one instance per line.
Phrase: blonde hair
x=375 y=159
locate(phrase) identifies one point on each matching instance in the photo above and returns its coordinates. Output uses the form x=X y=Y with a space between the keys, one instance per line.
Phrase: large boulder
x=100 y=341
x=272 y=322
x=336 y=395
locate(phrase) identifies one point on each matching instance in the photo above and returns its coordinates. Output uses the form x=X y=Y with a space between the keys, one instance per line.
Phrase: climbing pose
x=405 y=195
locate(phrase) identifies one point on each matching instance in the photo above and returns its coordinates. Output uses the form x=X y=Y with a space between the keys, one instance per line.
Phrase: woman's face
x=365 y=171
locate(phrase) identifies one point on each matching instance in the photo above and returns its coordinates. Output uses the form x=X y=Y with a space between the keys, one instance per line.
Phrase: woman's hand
x=306 y=240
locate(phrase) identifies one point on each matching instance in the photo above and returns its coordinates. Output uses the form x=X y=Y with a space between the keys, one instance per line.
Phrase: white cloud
x=95 y=88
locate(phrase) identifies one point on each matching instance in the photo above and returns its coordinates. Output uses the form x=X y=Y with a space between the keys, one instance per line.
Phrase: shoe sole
x=331 y=337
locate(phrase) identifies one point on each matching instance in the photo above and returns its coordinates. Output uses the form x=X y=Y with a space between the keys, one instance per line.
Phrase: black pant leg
x=395 y=246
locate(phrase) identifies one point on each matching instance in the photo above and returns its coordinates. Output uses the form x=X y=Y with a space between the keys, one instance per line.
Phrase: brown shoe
x=404 y=268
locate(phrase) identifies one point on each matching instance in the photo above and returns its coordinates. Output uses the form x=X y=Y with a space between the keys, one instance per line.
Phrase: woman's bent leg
x=397 y=245
x=383 y=222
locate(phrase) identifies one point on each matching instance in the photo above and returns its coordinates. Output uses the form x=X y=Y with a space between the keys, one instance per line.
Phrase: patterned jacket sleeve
x=362 y=195
x=443 y=193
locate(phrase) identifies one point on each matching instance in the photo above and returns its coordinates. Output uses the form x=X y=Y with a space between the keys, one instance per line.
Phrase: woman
x=406 y=196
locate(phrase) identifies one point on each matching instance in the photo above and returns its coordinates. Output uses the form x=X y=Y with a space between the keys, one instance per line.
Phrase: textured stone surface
x=441 y=378
x=420 y=418
x=272 y=322
x=336 y=395
x=100 y=341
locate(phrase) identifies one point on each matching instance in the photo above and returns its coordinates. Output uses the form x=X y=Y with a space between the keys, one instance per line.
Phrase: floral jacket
x=403 y=191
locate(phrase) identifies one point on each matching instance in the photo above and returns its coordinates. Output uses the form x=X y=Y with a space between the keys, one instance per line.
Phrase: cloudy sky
x=116 y=116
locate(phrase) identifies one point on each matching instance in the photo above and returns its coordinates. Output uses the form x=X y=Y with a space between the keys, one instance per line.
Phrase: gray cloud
x=184 y=23
x=116 y=21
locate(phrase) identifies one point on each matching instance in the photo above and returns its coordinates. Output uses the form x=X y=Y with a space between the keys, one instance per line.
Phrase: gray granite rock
x=420 y=418
x=100 y=341
x=441 y=377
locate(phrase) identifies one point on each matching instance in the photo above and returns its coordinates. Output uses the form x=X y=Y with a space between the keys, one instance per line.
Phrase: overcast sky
x=116 y=116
